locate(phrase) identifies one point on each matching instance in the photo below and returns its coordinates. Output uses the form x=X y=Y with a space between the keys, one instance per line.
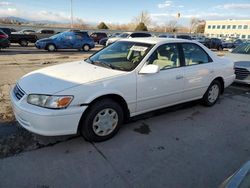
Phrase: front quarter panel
x=123 y=85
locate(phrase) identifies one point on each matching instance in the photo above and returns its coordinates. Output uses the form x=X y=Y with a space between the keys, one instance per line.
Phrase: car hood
x=238 y=57
x=57 y=78
x=243 y=64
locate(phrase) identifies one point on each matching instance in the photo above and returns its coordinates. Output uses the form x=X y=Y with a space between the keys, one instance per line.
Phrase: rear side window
x=194 y=54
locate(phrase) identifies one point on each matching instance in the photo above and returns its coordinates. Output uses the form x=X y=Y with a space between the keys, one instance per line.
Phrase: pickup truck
x=22 y=39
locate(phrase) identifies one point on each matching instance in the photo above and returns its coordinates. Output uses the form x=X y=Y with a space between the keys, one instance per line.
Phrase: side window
x=194 y=54
x=165 y=56
x=135 y=35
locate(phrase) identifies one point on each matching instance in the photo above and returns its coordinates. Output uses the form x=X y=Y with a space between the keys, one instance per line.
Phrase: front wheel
x=102 y=121
x=23 y=43
x=51 y=48
x=86 y=48
x=212 y=94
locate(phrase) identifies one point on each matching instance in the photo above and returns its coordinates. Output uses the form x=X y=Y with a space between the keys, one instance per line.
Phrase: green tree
x=141 y=27
x=102 y=25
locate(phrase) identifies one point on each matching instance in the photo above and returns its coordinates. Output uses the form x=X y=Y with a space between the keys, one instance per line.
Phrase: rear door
x=198 y=72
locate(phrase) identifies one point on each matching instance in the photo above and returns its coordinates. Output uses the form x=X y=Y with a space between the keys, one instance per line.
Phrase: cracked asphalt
x=187 y=145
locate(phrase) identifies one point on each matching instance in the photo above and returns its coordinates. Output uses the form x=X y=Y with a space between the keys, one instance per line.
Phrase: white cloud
x=37 y=15
x=5 y=3
x=235 y=6
x=165 y=4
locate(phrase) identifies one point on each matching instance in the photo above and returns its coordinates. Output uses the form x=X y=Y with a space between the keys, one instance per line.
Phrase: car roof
x=155 y=40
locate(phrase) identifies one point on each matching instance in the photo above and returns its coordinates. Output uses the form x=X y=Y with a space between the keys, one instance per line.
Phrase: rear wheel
x=212 y=94
x=51 y=48
x=102 y=121
x=23 y=43
x=86 y=48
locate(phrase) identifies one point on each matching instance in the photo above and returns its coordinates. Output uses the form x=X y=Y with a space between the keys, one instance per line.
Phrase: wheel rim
x=105 y=122
x=213 y=93
x=86 y=48
x=51 y=48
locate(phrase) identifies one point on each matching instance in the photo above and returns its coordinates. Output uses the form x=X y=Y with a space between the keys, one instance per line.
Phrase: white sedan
x=128 y=78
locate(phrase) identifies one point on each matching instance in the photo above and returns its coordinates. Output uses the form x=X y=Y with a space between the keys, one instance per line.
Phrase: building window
x=223 y=27
x=243 y=36
x=218 y=26
x=209 y=27
x=213 y=26
x=245 y=27
x=239 y=26
x=229 y=27
x=248 y=36
x=234 y=26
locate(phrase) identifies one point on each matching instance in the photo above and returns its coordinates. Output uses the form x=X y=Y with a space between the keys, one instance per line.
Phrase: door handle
x=179 y=77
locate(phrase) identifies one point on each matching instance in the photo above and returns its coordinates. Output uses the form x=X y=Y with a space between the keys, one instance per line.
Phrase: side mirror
x=150 y=69
x=230 y=50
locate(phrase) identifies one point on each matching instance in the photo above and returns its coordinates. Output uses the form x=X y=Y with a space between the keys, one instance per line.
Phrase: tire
x=51 y=47
x=95 y=125
x=212 y=94
x=85 y=47
x=23 y=43
x=220 y=48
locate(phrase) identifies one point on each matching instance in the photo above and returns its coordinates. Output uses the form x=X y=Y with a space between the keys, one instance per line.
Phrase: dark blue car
x=67 y=40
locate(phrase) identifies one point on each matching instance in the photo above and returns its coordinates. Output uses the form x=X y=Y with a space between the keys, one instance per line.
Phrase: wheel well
x=220 y=79
x=117 y=98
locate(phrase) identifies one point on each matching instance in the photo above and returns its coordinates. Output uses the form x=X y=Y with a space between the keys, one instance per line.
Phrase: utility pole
x=71 y=12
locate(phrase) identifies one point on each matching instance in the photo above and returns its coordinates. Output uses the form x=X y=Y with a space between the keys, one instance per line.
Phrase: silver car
x=241 y=57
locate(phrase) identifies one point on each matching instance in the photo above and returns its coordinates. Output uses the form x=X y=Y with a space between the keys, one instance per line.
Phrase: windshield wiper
x=105 y=64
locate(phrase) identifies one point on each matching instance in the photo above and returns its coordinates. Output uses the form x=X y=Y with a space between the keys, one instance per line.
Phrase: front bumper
x=46 y=122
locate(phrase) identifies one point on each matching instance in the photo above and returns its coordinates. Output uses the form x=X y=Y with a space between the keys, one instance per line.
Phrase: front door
x=165 y=87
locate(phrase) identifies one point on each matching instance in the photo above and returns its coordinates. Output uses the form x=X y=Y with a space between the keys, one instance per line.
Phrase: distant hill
x=14 y=19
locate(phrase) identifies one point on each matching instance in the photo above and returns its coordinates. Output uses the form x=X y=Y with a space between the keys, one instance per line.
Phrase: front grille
x=18 y=92
x=241 y=73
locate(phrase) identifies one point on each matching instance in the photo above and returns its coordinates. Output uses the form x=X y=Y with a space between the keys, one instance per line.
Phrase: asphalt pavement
x=183 y=146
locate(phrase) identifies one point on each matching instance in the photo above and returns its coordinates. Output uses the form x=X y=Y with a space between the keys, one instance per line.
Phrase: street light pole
x=71 y=13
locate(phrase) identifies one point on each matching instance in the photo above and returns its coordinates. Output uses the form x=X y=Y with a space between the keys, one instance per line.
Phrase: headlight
x=49 y=101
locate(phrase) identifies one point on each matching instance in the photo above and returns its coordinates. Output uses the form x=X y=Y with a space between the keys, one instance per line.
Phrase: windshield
x=121 y=55
x=55 y=36
x=242 y=49
x=123 y=35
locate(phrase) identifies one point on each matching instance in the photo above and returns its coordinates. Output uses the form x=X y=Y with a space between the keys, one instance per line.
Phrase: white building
x=228 y=29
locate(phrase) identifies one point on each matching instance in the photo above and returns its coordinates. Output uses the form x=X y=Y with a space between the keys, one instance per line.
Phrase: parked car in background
x=241 y=58
x=97 y=36
x=104 y=40
x=128 y=35
x=187 y=37
x=24 y=31
x=44 y=33
x=240 y=179
x=231 y=44
x=166 y=36
x=130 y=77
x=4 y=41
x=67 y=40
x=22 y=39
x=213 y=43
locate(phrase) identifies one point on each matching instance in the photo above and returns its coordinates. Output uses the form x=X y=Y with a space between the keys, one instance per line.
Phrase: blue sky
x=115 y=11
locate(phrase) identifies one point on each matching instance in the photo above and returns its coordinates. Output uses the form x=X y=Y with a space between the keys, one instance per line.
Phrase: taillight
x=3 y=36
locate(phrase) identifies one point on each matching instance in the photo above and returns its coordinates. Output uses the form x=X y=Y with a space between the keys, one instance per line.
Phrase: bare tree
x=194 y=22
x=171 y=26
x=143 y=17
